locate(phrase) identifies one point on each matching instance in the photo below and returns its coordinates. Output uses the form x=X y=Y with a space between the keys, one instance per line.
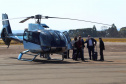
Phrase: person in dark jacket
x=79 y=49
x=102 y=47
x=91 y=43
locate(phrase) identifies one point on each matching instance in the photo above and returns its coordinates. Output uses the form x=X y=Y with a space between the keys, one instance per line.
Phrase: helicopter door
x=69 y=46
x=31 y=40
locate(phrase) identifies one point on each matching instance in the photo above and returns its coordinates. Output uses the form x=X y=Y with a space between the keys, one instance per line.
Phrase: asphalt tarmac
x=55 y=71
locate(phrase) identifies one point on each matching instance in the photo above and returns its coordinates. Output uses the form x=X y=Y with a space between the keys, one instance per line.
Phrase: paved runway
x=41 y=71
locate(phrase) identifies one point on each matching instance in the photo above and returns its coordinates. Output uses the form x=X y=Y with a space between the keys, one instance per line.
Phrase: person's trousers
x=101 y=55
x=91 y=52
x=68 y=54
x=74 y=54
x=81 y=54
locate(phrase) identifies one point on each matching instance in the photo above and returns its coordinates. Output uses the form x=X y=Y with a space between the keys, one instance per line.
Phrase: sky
x=102 y=11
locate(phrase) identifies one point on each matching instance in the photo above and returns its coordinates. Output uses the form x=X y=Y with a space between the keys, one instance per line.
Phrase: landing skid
x=26 y=52
x=35 y=55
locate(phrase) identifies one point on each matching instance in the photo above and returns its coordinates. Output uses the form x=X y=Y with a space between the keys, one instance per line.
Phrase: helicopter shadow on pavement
x=52 y=61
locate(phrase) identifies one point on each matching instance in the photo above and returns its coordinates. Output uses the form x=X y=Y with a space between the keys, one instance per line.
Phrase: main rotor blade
x=77 y=20
x=13 y=18
x=26 y=19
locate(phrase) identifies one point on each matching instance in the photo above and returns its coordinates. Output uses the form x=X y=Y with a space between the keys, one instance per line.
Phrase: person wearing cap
x=91 y=43
x=102 y=47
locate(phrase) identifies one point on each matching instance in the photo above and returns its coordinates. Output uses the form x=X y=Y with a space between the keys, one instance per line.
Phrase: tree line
x=110 y=32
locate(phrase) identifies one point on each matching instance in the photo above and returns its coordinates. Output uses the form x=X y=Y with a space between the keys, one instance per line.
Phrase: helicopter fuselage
x=39 y=40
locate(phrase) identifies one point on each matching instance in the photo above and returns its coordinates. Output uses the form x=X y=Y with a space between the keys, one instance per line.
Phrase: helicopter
x=36 y=39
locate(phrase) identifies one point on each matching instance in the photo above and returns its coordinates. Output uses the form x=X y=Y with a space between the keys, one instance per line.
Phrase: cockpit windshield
x=52 y=38
x=45 y=38
x=62 y=37
x=67 y=36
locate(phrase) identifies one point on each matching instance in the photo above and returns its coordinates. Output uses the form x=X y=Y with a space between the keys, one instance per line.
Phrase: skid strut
x=26 y=52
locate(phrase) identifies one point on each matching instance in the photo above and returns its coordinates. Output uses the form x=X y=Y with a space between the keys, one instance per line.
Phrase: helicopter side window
x=35 y=37
x=25 y=36
x=31 y=37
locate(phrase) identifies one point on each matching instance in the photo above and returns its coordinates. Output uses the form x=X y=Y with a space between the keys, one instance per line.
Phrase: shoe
x=83 y=60
x=68 y=57
x=101 y=60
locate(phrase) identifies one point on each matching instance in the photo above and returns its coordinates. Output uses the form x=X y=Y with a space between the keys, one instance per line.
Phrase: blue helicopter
x=37 y=39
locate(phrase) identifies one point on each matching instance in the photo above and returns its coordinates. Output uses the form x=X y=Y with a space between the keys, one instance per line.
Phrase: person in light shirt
x=91 y=42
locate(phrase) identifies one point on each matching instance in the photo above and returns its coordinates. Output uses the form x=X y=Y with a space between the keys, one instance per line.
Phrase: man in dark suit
x=102 y=47
x=91 y=42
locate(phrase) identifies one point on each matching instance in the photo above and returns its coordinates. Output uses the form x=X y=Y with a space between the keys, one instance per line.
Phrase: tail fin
x=6 y=31
x=6 y=23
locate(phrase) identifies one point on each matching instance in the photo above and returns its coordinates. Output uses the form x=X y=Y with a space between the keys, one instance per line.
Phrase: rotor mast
x=38 y=17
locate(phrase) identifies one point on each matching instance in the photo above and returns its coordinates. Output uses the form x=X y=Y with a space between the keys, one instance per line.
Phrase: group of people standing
x=78 y=48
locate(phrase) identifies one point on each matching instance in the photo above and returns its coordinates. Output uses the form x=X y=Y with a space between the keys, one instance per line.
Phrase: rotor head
x=38 y=17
